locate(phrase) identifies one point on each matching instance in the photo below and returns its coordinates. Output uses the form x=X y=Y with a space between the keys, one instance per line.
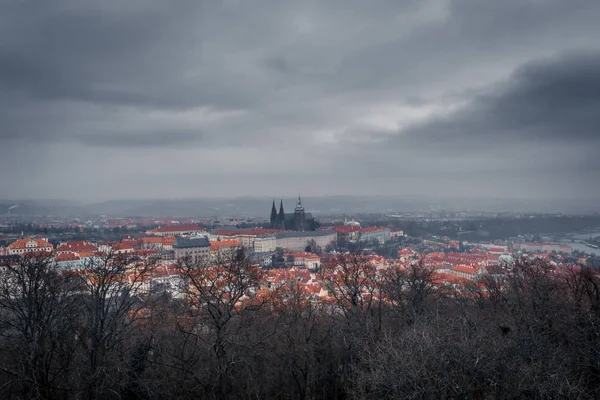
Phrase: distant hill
x=28 y=207
x=261 y=206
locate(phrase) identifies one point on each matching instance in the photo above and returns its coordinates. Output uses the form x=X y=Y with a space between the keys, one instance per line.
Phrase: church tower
x=281 y=217
x=273 y=221
x=299 y=217
x=299 y=220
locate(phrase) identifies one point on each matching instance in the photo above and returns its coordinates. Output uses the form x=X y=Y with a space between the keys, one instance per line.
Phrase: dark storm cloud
x=112 y=55
x=338 y=90
x=556 y=100
x=540 y=125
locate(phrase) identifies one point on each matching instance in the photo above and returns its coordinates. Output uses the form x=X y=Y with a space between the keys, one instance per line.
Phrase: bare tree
x=112 y=287
x=218 y=291
x=37 y=312
x=408 y=291
x=303 y=332
x=353 y=282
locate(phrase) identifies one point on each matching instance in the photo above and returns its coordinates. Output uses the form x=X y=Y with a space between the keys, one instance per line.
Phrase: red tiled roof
x=77 y=246
x=22 y=244
x=217 y=245
x=304 y=255
x=152 y=240
x=464 y=268
x=341 y=228
x=166 y=240
x=83 y=254
x=67 y=257
x=441 y=278
x=251 y=232
x=177 y=228
x=169 y=240
x=374 y=229
x=123 y=246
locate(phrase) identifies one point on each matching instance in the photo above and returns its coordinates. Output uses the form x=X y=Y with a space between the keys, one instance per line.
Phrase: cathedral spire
x=281 y=217
x=273 y=215
x=299 y=207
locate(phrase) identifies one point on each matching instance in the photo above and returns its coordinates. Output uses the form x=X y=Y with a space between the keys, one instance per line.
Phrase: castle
x=299 y=220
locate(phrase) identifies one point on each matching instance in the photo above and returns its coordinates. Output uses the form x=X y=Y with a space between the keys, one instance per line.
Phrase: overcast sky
x=185 y=98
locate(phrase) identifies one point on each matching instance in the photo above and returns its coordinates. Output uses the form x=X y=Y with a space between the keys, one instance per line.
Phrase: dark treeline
x=397 y=334
x=496 y=228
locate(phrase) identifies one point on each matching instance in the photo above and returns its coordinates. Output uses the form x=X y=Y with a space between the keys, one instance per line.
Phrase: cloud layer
x=194 y=98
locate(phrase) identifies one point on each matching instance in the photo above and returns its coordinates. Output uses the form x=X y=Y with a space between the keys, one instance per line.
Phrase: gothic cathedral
x=299 y=220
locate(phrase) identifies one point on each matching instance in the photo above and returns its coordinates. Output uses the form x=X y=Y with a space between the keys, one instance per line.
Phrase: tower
x=299 y=217
x=273 y=220
x=299 y=205
x=299 y=220
x=281 y=217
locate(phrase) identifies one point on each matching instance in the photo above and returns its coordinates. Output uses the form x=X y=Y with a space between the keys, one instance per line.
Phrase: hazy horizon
x=321 y=205
x=294 y=197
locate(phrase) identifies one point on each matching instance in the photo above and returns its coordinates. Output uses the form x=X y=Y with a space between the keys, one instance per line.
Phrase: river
x=581 y=247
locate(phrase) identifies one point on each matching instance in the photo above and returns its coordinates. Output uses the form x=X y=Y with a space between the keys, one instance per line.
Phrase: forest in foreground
x=103 y=334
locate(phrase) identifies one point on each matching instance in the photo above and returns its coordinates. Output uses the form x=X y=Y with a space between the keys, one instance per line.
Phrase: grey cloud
x=146 y=139
x=322 y=80
x=132 y=57
x=540 y=122
x=278 y=64
x=556 y=99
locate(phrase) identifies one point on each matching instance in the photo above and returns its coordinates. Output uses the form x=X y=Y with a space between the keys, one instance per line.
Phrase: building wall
x=246 y=241
x=381 y=236
x=299 y=243
x=545 y=247
x=79 y=264
x=196 y=253
x=396 y=234
x=177 y=233
x=323 y=241
x=265 y=244
x=29 y=250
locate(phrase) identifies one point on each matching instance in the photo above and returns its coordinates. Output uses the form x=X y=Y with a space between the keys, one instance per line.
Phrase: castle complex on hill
x=299 y=220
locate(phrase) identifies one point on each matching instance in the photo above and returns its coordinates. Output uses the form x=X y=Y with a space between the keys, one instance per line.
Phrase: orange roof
x=374 y=229
x=88 y=253
x=250 y=232
x=341 y=228
x=464 y=268
x=441 y=278
x=177 y=228
x=223 y=244
x=167 y=240
x=152 y=240
x=77 y=246
x=123 y=246
x=22 y=244
x=304 y=255
x=67 y=257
